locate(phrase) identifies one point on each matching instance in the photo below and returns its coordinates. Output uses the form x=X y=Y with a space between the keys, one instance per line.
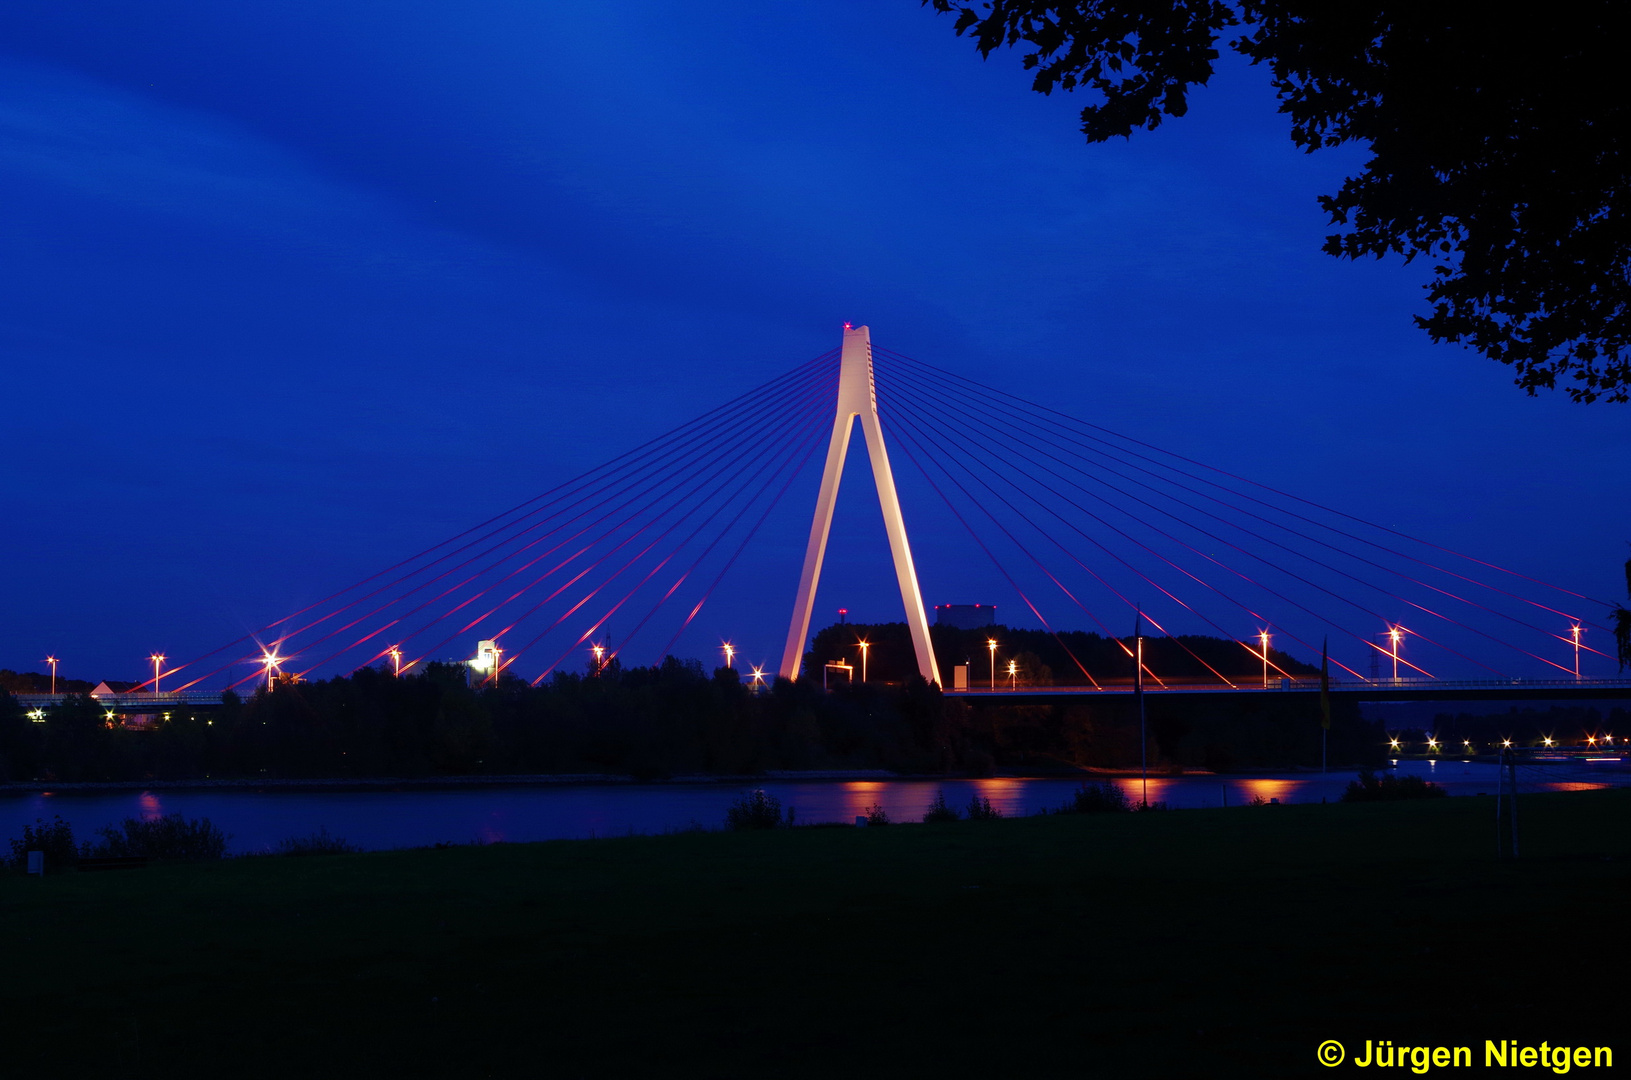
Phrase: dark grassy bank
x=1196 y=943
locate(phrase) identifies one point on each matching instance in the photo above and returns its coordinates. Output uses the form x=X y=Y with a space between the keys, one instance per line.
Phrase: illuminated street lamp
x=271 y=661
x=758 y=678
x=865 y=645
x=1547 y=740
x=1393 y=743
x=157 y=658
x=1013 y=675
x=600 y=657
x=1432 y=742
x=396 y=661
x=991 y=643
x=1575 y=630
x=1263 y=636
x=53 y=662
x=1397 y=634
x=730 y=654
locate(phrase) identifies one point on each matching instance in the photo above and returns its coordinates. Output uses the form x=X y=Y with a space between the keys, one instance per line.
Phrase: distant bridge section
x=1368 y=690
x=143 y=701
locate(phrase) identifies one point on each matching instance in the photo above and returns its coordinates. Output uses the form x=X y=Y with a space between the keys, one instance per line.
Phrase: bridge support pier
x=856 y=398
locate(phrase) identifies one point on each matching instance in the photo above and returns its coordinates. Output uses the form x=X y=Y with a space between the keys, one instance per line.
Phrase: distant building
x=965 y=616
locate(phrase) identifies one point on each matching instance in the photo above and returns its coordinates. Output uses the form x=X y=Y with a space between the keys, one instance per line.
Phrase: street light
x=53 y=662
x=600 y=657
x=730 y=654
x=1397 y=634
x=1575 y=630
x=1013 y=675
x=991 y=643
x=157 y=658
x=865 y=645
x=396 y=661
x=758 y=678
x=271 y=661
x=1263 y=636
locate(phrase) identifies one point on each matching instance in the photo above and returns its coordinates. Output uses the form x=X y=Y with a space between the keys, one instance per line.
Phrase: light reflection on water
x=408 y=817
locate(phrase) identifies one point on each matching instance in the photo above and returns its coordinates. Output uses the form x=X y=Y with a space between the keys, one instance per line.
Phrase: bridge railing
x=147 y=700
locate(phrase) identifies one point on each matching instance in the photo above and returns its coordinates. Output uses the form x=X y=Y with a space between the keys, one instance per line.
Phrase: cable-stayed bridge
x=1087 y=527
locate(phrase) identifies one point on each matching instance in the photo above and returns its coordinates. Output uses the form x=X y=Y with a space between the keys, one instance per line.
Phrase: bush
x=318 y=843
x=938 y=810
x=755 y=810
x=980 y=809
x=1368 y=788
x=54 y=837
x=1105 y=798
x=875 y=815
x=169 y=836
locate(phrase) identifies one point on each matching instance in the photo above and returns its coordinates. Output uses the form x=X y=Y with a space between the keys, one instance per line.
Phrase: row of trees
x=670 y=720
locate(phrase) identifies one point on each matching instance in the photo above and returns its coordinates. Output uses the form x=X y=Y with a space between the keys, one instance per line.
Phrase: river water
x=414 y=816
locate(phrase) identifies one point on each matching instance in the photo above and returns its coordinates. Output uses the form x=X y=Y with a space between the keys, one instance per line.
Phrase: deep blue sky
x=294 y=289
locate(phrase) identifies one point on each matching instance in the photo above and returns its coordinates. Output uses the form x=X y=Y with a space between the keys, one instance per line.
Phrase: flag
x=1325 y=685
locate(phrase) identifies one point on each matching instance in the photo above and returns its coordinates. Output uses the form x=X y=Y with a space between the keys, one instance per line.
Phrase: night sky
x=295 y=289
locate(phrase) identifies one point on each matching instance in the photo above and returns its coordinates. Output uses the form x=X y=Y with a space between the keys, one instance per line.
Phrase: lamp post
x=1263 y=636
x=157 y=658
x=865 y=645
x=53 y=662
x=1396 y=633
x=396 y=661
x=600 y=657
x=1013 y=675
x=758 y=678
x=1575 y=630
x=991 y=643
x=271 y=661
x=730 y=654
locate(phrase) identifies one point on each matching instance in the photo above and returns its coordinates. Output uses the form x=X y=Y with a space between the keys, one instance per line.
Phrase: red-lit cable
x=693 y=460
x=675 y=434
x=1307 y=502
x=914 y=412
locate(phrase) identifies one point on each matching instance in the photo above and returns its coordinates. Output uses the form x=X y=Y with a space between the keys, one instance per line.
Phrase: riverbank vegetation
x=679 y=720
x=1200 y=943
x=651 y=723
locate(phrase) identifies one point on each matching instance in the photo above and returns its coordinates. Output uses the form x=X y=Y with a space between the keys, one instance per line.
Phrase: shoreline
x=428 y=783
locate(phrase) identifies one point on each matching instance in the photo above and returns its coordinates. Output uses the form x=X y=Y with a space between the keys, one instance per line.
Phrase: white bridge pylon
x=856 y=398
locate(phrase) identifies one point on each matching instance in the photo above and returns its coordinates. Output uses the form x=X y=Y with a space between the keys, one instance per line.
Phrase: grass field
x=1186 y=943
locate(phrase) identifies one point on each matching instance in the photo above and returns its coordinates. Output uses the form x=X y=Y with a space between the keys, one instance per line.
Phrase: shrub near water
x=756 y=810
x=54 y=837
x=938 y=810
x=169 y=836
x=1105 y=798
x=980 y=809
x=1368 y=788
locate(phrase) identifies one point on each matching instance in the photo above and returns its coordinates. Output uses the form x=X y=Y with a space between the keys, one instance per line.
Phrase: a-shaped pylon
x=856 y=398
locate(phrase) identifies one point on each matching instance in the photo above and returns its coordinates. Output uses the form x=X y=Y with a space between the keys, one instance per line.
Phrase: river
x=257 y=818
